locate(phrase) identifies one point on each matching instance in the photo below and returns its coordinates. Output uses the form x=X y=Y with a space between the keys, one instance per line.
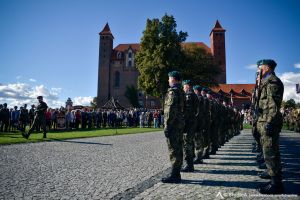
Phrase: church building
x=117 y=70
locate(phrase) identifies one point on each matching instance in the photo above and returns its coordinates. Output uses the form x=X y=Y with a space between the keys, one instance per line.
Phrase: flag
x=297 y=88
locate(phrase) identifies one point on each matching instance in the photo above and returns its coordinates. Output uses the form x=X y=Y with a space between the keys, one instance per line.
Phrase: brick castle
x=117 y=69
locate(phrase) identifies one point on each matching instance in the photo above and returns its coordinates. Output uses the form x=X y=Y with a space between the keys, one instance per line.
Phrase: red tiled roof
x=237 y=90
x=198 y=44
x=124 y=47
x=136 y=46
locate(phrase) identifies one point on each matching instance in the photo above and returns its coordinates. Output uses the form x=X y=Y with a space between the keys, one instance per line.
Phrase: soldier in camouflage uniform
x=269 y=124
x=206 y=123
x=39 y=118
x=191 y=112
x=214 y=123
x=199 y=140
x=174 y=125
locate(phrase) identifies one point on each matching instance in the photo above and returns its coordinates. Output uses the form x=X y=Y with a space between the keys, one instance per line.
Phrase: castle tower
x=217 y=45
x=105 y=50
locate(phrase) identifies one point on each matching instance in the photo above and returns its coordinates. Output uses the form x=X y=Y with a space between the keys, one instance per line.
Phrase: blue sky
x=50 y=47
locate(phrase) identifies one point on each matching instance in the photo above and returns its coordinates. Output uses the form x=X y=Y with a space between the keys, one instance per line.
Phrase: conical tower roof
x=217 y=28
x=106 y=31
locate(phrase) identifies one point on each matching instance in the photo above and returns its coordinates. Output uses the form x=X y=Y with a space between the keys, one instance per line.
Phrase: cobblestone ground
x=232 y=173
x=94 y=168
x=130 y=166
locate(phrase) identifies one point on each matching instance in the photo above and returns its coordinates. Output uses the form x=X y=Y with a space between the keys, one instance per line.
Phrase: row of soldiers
x=196 y=124
x=292 y=119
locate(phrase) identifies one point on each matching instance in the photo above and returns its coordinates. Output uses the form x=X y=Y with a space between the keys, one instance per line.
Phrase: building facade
x=117 y=69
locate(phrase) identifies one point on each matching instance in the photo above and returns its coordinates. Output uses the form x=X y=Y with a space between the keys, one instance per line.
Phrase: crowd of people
x=291 y=116
x=13 y=119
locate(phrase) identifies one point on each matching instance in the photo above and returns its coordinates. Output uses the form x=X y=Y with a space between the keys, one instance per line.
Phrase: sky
x=51 y=47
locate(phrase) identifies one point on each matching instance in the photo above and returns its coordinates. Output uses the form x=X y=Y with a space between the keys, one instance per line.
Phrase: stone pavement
x=232 y=174
x=93 y=168
x=130 y=167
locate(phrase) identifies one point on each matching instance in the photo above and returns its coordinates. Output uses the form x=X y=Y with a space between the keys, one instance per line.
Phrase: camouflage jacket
x=271 y=93
x=191 y=108
x=174 y=108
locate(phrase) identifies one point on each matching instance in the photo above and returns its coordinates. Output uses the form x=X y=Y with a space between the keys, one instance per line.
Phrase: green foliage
x=131 y=94
x=94 y=104
x=290 y=104
x=199 y=66
x=160 y=53
x=14 y=138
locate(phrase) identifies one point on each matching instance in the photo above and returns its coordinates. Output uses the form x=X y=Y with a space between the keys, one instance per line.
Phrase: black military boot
x=198 y=160
x=262 y=166
x=274 y=187
x=188 y=166
x=264 y=175
x=173 y=177
x=206 y=156
x=25 y=135
x=45 y=135
x=260 y=161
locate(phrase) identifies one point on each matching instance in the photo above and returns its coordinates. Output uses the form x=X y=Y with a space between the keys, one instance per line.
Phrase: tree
x=290 y=103
x=131 y=94
x=94 y=104
x=199 y=66
x=160 y=52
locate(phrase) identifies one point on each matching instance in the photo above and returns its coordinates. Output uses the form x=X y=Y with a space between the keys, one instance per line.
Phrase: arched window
x=129 y=55
x=117 y=79
x=119 y=55
x=129 y=63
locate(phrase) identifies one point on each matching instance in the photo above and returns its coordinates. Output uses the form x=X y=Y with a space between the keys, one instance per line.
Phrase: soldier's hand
x=167 y=133
x=269 y=129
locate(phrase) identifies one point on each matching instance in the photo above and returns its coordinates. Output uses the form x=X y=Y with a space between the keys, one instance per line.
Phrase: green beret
x=175 y=74
x=40 y=97
x=204 y=89
x=187 y=82
x=197 y=87
x=271 y=63
x=209 y=92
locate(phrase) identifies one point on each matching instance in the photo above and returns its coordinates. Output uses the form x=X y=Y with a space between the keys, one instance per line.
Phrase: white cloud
x=251 y=67
x=290 y=79
x=85 y=101
x=18 y=77
x=18 y=94
x=297 y=65
x=32 y=80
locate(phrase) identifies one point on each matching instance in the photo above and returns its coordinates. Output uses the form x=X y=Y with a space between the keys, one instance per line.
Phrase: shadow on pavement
x=78 y=142
x=236 y=172
x=290 y=158
x=239 y=184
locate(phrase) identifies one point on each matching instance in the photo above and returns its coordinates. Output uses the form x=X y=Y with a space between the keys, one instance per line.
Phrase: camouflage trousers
x=221 y=134
x=206 y=138
x=214 y=135
x=175 y=142
x=199 y=141
x=189 y=142
x=270 y=147
x=256 y=136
